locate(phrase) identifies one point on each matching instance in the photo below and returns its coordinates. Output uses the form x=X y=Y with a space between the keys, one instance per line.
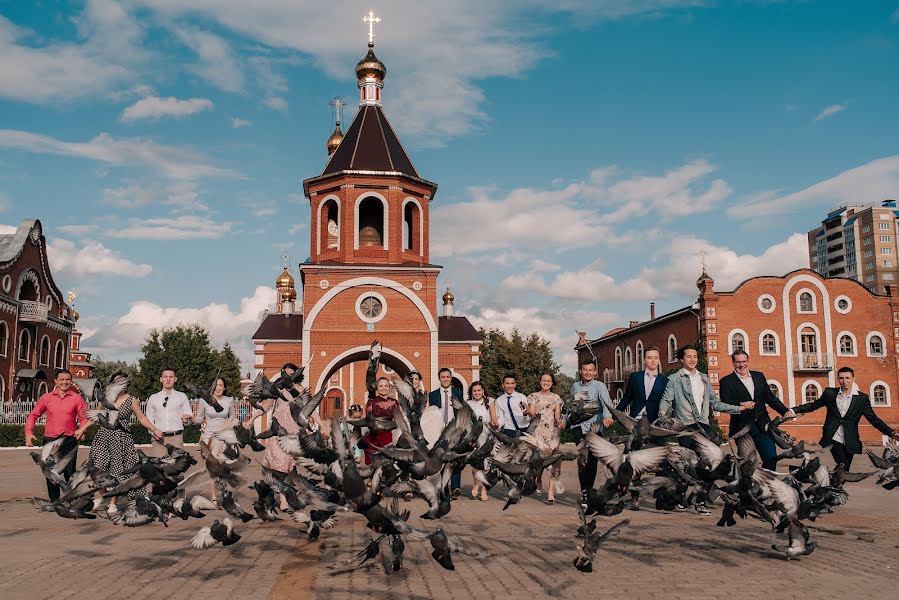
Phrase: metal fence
x=16 y=412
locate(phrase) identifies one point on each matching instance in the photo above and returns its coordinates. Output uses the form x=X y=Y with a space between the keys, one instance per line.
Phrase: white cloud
x=540 y=265
x=276 y=103
x=871 y=182
x=122 y=338
x=153 y=107
x=829 y=111
x=296 y=228
x=90 y=260
x=576 y=215
x=727 y=267
x=217 y=65
x=128 y=196
x=170 y=161
x=586 y=284
x=182 y=227
x=237 y=122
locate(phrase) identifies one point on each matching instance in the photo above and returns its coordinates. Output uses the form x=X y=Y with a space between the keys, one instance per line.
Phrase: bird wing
x=605 y=451
x=202 y=503
x=202 y=539
x=290 y=444
x=403 y=454
x=313 y=403
x=878 y=461
x=648 y=459
x=627 y=421
x=746 y=450
x=779 y=491
x=615 y=529
x=51 y=449
x=707 y=449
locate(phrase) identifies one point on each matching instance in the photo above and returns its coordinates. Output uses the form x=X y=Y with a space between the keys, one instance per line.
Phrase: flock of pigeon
x=328 y=482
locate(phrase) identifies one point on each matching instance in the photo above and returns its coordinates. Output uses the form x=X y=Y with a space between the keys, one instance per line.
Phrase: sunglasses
x=165 y=402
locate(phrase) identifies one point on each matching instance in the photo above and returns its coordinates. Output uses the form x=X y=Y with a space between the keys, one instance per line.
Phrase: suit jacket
x=635 y=395
x=434 y=398
x=677 y=400
x=859 y=406
x=733 y=391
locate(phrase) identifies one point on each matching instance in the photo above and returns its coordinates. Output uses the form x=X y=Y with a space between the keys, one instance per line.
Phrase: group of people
x=686 y=395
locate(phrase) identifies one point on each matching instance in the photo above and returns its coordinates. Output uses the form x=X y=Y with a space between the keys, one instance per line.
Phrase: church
x=368 y=276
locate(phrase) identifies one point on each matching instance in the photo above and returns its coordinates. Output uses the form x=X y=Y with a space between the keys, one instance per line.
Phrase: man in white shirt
x=442 y=398
x=845 y=406
x=169 y=410
x=509 y=410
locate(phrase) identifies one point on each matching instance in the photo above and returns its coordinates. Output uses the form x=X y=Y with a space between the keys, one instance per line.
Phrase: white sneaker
x=113 y=509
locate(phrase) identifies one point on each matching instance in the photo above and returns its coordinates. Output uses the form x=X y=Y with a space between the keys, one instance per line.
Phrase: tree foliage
x=524 y=356
x=103 y=369
x=188 y=350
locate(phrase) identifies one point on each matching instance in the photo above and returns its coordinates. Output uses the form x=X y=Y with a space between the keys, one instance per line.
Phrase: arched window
x=618 y=359
x=806 y=302
x=640 y=354
x=808 y=347
x=774 y=386
x=59 y=355
x=619 y=394
x=672 y=348
x=411 y=226
x=2 y=393
x=876 y=345
x=847 y=345
x=41 y=389
x=44 y=354
x=25 y=345
x=628 y=358
x=810 y=392
x=371 y=222
x=769 y=343
x=329 y=226
x=4 y=338
x=879 y=395
x=737 y=342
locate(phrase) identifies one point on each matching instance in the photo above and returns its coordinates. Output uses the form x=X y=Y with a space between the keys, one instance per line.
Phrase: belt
x=171 y=433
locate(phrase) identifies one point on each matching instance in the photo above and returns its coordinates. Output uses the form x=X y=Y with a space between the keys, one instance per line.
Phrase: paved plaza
x=531 y=547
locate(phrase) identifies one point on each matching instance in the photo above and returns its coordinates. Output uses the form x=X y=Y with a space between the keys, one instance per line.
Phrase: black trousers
x=840 y=455
x=67 y=446
x=586 y=473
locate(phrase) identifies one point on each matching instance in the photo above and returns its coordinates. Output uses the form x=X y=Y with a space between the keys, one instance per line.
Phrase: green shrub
x=14 y=435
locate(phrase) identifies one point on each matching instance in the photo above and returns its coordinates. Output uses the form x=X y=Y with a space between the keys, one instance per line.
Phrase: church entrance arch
x=389 y=358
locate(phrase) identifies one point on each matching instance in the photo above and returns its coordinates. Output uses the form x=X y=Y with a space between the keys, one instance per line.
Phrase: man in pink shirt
x=66 y=418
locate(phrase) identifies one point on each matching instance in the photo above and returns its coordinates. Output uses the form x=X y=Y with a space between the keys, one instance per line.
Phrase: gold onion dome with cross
x=334 y=140
x=370 y=65
x=285 y=285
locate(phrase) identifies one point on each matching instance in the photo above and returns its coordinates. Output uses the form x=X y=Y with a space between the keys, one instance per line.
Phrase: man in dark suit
x=743 y=385
x=442 y=398
x=645 y=388
x=846 y=406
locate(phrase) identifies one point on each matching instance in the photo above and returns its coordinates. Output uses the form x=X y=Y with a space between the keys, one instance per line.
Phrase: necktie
x=445 y=407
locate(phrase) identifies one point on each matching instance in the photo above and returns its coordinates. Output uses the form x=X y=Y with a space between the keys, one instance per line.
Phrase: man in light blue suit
x=689 y=398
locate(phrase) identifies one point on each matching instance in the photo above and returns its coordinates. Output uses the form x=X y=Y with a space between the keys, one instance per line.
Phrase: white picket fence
x=16 y=412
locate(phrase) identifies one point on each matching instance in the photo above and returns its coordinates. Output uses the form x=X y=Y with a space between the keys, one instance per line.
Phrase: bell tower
x=368 y=275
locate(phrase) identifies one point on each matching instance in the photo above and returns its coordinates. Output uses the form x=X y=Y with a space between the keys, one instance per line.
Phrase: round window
x=843 y=304
x=371 y=307
x=767 y=303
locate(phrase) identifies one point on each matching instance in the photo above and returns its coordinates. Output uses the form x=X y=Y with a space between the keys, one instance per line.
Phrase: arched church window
x=371 y=222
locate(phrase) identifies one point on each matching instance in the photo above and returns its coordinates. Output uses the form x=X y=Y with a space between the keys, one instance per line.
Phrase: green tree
x=103 y=369
x=187 y=350
x=524 y=356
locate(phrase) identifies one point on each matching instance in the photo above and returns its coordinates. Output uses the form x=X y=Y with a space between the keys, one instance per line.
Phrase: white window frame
x=639 y=355
x=762 y=343
x=619 y=360
x=799 y=294
x=730 y=340
x=805 y=386
x=883 y=344
x=854 y=343
x=766 y=297
x=836 y=304
x=628 y=357
x=358 y=306
x=4 y=341
x=40 y=352
x=888 y=394
x=56 y=354
x=780 y=390
x=672 y=356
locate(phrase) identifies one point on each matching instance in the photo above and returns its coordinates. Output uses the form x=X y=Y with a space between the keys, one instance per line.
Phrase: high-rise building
x=858 y=241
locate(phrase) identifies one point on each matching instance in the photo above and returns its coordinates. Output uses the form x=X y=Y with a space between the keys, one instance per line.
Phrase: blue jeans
x=765 y=445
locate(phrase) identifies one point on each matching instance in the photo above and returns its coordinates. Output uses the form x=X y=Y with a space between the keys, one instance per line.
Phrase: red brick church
x=368 y=275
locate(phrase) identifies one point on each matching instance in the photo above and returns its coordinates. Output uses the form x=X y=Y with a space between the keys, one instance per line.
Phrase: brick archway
x=390 y=358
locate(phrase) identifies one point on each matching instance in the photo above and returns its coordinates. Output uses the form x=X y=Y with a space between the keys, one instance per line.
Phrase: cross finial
x=337 y=104
x=371 y=19
x=447 y=285
x=702 y=259
x=73 y=293
x=285 y=261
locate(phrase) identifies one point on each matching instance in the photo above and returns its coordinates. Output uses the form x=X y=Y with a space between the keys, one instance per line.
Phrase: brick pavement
x=531 y=547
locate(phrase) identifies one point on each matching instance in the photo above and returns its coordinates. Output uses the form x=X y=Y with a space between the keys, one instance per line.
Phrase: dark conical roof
x=370 y=144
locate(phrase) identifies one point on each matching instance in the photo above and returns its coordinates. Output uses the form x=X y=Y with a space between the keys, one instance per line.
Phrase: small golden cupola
x=448 y=301
x=287 y=291
x=370 y=71
x=337 y=135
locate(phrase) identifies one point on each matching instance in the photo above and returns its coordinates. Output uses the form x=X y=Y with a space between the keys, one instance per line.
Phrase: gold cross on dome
x=702 y=259
x=337 y=104
x=73 y=293
x=371 y=19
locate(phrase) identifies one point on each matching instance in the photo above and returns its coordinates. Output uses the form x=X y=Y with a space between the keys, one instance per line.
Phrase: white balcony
x=813 y=361
x=33 y=312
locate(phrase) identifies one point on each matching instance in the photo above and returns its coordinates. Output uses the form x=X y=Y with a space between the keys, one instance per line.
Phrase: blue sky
x=585 y=152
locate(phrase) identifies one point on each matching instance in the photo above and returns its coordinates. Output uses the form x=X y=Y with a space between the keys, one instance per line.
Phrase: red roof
x=280 y=327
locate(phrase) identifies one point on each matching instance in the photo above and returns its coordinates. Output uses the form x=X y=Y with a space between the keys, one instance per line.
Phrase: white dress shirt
x=747 y=381
x=649 y=381
x=843 y=402
x=519 y=404
x=168 y=417
x=697 y=387
x=446 y=404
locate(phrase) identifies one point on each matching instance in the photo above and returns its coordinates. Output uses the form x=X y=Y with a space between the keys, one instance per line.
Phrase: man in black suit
x=645 y=388
x=743 y=385
x=442 y=398
x=846 y=406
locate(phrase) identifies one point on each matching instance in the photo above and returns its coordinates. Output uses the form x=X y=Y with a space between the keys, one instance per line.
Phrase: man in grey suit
x=689 y=397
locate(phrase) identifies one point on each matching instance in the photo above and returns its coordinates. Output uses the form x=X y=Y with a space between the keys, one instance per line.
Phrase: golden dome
x=448 y=297
x=703 y=278
x=370 y=66
x=334 y=140
x=285 y=284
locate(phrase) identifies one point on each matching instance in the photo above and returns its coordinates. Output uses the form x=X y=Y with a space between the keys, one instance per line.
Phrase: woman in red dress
x=379 y=406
